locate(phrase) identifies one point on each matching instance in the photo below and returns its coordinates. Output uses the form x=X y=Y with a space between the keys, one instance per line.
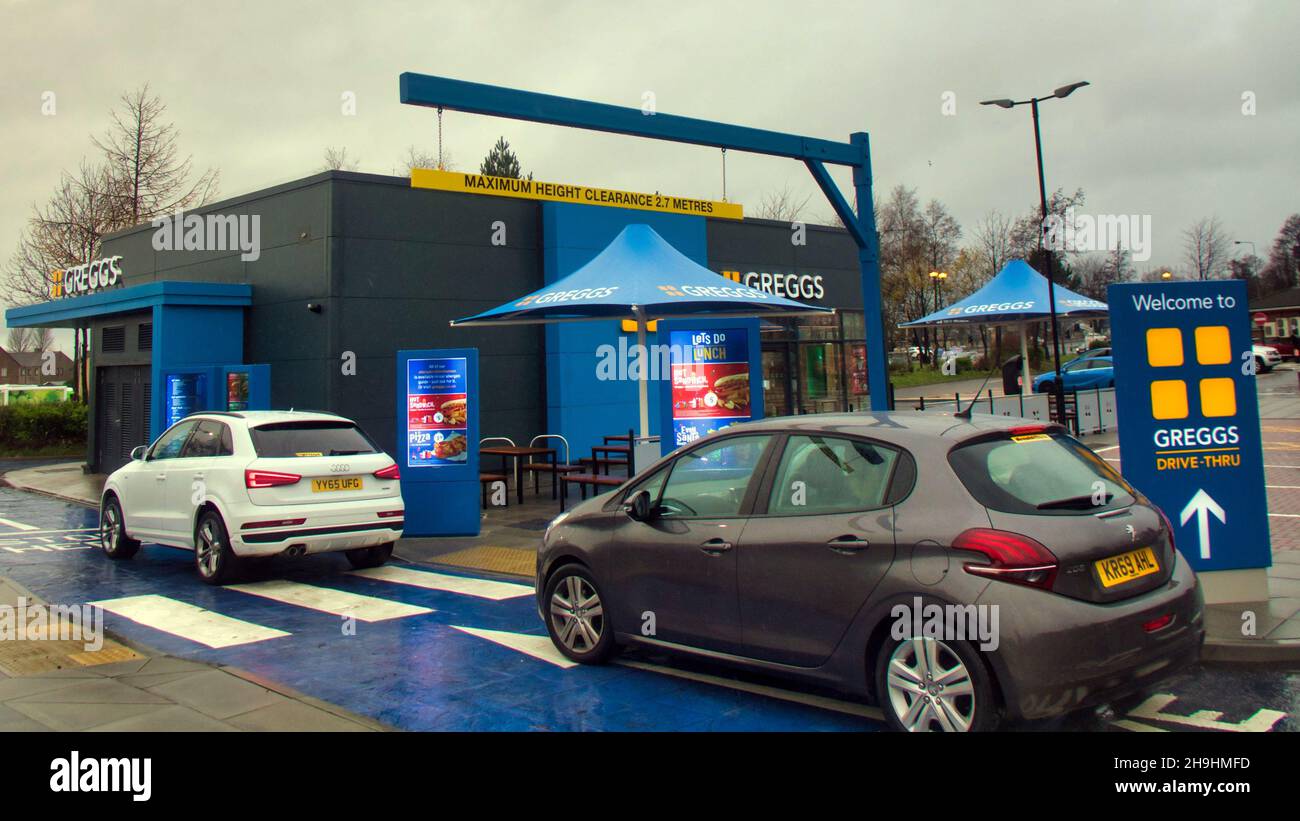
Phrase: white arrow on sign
x=1202 y=506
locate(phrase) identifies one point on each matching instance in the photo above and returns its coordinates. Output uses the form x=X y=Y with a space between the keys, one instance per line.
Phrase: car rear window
x=1046 y=474
x=289 y=439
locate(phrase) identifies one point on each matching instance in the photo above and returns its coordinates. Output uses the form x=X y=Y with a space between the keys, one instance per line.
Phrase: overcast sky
x=255 y=88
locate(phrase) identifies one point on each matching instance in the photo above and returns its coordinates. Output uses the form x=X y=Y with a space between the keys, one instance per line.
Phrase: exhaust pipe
x=296 y=550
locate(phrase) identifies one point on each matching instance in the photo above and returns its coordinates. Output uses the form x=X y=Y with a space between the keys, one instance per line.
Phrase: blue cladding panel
x=189 y=335
x=580 y=406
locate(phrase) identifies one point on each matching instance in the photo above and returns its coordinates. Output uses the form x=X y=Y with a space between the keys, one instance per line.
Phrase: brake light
x=390 y=514
x=1012 y=557
x=390 y=472
x=1021 y=430
x=269 y=478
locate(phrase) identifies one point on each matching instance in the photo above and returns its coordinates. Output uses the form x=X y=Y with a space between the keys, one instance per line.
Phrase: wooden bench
x=486 y=480
x=593 y=463
x=538 y=468
x=584 y=479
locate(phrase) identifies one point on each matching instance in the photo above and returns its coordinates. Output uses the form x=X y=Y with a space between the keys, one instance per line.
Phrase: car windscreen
x=1040 y=474
x=324 y=438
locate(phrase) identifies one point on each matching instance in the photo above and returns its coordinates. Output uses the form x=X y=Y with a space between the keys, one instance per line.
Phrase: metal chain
x=724 y=174
x=440 y=168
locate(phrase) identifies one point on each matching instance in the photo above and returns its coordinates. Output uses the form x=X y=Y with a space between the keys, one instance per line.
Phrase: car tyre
x=214 y=560
x=926 y=684
x=364 y=557
x=575 y=616
x=112 y=532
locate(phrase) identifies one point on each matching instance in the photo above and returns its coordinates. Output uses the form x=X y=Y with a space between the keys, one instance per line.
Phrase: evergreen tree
x=501 y=162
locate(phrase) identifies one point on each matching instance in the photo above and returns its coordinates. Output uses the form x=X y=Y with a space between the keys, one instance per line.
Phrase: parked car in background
x=1079 y=374
x=1287 y=347
x=789 y=545
x=1091 y=352
x=1266 y=358
x=255 y=483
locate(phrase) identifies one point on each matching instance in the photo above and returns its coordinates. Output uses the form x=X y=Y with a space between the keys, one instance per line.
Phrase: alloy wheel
x=930 y=687
x=577 y=614
x=208 y=549
x=108 y=530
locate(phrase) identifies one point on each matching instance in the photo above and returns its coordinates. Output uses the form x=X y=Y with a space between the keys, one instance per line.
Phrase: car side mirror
x=637 y=506
x=137 y=452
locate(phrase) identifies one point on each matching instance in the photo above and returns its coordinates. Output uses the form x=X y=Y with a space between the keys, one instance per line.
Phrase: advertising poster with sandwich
x=710 y=374
x=437 y=405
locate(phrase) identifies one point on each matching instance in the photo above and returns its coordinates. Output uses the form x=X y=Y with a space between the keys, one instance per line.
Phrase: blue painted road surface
x=421 y=648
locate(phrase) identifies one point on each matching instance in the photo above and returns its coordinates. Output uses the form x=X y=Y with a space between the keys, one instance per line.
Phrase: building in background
x=25 y=368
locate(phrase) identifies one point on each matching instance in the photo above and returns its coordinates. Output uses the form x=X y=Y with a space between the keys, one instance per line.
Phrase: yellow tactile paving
x=513 y=560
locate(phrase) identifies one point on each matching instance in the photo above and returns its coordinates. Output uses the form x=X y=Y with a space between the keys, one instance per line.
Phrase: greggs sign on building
x=85 y=279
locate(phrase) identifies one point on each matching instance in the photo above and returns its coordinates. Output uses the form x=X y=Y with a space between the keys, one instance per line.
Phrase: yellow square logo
x=1212 y=345
x=1164 y=347
x=1169 y=399
x=1218 y=397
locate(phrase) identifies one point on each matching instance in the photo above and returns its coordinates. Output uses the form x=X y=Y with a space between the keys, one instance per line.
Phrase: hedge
x=33 y=425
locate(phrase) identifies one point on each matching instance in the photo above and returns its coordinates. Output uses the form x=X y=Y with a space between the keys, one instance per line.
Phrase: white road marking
x=18 y=525
x=35 y=532
x=327 y=600
x=1137 y=726
x=483 y=588
x=1286 y=515
x=1283 y=487
x=1103 y=450
x=1261 y=721
x=188 y=622
x=539 y=647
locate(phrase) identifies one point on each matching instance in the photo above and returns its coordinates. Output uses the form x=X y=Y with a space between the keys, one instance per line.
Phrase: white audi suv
x=255 y=483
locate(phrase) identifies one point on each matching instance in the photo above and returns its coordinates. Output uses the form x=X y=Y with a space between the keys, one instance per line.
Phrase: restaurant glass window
x=821 y=368
x=776 y=381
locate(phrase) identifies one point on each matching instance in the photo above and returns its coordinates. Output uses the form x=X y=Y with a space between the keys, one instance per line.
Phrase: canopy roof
x=1017 y=294
x=641 y=270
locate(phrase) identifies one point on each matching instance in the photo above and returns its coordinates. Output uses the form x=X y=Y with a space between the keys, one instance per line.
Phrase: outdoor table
x=508 y=452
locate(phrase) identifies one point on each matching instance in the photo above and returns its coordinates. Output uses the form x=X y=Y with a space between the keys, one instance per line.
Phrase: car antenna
x=965 y=414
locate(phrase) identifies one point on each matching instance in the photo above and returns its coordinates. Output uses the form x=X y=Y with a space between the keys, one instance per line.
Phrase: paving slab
x=218 y=694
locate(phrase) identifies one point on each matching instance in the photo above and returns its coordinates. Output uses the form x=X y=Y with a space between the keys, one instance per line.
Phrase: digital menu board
x=710 y=382
x=186 y=394
x=437 y=407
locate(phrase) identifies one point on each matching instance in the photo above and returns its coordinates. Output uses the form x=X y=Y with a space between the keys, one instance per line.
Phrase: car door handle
x=848 y=545
x=716 y=547
x=160 y=476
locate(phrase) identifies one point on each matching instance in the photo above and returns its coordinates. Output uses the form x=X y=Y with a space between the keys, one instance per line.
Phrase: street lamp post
x=1060 y=93
x=938 y=277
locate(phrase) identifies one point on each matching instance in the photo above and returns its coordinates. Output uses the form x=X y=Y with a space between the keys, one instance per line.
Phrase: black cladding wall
x=390 y=266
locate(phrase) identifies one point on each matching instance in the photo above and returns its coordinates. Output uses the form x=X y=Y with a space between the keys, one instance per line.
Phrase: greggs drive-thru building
x=302 y=295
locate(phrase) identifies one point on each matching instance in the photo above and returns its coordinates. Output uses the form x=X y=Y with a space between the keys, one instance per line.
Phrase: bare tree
x=147 y=175
x=337 y=159
x=21 y=340
x=416 y=157
x=993 y=241
x=1206 y=248
x=783 y=205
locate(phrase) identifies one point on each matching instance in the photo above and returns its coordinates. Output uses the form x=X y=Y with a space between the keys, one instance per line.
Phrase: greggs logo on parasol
x=566 y=296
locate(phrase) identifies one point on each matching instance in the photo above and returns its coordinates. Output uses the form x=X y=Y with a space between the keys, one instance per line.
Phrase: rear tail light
x=390 y=514
x=269 y=478
x=1012 y=557
x=390 y=472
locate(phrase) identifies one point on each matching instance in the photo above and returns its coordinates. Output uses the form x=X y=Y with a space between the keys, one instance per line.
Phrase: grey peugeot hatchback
x=954 y=571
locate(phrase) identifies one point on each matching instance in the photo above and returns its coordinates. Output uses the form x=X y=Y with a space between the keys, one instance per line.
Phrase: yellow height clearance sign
x=563 y=192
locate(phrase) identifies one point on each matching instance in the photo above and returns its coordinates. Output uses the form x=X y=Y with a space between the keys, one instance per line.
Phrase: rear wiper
x=1075 y=502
